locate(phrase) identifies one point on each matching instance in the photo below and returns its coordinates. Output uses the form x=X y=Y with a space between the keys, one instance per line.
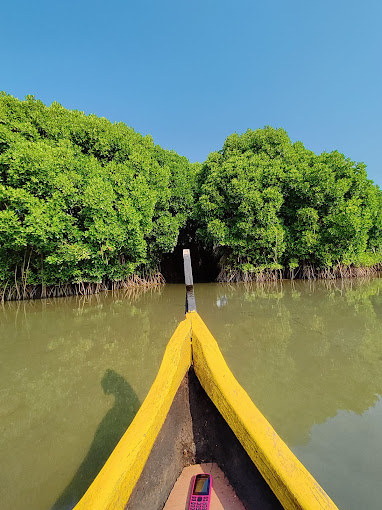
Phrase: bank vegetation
x=272 y=209
x=88 y=205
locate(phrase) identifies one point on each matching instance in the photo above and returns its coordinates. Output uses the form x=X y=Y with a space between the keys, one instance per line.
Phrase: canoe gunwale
x=291 y=482
x=112 y=487
x=193 y=344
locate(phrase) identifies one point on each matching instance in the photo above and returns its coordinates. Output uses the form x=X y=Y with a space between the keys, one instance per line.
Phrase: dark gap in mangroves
x=205 y=264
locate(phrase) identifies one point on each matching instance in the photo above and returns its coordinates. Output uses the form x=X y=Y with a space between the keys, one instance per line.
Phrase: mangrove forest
x=86 y=204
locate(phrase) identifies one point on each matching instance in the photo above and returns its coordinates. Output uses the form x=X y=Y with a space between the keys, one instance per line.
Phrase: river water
x=74 y=371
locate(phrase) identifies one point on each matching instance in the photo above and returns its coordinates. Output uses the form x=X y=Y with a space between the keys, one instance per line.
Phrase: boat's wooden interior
x=195 y=432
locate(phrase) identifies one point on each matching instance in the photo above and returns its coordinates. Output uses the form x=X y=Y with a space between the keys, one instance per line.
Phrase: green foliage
x=264 y=201
x=85 y=200
x=82 y=199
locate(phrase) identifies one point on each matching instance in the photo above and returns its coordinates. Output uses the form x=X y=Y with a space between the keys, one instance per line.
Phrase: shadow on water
x=108 y=433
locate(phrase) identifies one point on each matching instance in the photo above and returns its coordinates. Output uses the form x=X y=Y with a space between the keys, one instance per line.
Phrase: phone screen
x=202 y=485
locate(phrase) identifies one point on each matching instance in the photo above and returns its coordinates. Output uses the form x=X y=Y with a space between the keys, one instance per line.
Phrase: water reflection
x=309 y=353
x=346 y=451
x=302 y=349
x=53 y=356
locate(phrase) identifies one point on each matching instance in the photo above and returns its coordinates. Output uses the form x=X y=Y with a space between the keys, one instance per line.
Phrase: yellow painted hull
x=193 y=344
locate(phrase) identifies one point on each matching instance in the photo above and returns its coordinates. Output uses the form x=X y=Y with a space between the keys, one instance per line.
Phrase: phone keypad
x=199 y=503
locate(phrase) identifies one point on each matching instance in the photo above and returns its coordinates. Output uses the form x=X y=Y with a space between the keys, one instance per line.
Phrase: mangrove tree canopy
x=265 y=203
x=86 y=200
x=82 y=199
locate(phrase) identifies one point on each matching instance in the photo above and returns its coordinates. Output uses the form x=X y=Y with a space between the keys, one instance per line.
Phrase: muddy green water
x=73 y=373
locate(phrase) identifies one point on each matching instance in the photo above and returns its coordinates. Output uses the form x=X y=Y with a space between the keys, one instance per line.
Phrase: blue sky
x=191 y=73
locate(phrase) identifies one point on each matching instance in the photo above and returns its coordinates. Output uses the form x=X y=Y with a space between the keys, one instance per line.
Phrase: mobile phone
x=201 y=492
